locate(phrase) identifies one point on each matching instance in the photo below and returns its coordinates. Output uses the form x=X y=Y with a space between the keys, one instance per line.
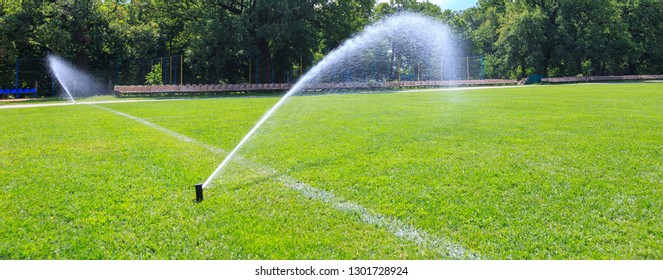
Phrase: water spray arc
x=56 y=64
x=76 y=83
x=402 y=38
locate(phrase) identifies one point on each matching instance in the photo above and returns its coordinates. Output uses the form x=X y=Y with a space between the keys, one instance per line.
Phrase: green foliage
x=645 y=26
x=563 y=37
x=17 y=21
x=79 y=30
x=341 y=19
x=521 y=41
x=594 y=32
x=225 y=41
x=155 y=77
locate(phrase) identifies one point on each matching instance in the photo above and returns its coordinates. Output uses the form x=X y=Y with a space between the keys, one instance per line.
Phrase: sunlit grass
x=560 y=172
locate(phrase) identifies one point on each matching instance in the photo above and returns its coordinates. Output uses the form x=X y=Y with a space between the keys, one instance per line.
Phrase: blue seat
x=12 y=90
x=33 y=90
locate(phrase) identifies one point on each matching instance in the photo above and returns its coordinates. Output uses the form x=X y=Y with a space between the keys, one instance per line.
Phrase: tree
x=521 y=41
x=481 y=28
x=593 y=38
x=135 y=34
x=395 y=6
x=224 y=40
x=155 y=77
x=282 y=33
x=17 y=25
x=72 y=27
x=216 y=46
x=274 y=35
x=560 y=37
x=645 y=24
x=337 y=21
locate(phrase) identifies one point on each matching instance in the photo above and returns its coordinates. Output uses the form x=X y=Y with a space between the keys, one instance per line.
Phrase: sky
x=455 y=5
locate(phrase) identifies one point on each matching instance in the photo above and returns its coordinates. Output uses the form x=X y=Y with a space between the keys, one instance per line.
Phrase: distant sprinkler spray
x=75 y=82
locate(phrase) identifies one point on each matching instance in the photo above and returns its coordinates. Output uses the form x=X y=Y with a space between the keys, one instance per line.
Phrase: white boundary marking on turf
x=442 y=247
x=87 y=103
x=460 y=88
x=399 y=229
x=174 y=134
x=34 y=105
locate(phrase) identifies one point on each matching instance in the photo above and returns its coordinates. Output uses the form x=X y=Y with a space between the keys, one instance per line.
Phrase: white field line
x=461 y=88
x=34 y=105
x=132 y=101
x=87 y=102
x=445 y=249
x=174 y=134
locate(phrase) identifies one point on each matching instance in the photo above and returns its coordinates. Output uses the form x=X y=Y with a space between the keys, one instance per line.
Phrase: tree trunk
x=632 y=68
x=82 y=61
x=522 y=70
x=265 y=74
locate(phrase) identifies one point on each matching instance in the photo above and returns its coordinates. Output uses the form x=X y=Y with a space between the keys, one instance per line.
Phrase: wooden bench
x=215 y=88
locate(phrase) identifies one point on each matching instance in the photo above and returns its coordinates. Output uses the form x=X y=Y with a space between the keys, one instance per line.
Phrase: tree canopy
x=245 y=41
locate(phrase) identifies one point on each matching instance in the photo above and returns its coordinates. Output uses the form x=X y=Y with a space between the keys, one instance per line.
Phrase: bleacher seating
x=17 y=93
x=203 y=89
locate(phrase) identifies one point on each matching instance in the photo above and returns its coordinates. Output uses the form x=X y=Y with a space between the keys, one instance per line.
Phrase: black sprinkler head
x=199 y=192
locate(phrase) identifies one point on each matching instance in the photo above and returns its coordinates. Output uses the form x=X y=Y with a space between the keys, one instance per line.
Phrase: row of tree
x=230 y=41
x=568 y=37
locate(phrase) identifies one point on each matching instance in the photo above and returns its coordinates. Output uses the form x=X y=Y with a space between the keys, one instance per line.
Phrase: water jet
x=397 y=43
x=76 y=83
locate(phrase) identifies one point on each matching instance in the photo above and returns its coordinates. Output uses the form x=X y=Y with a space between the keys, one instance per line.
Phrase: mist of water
x=76 y=83
x=381 y=52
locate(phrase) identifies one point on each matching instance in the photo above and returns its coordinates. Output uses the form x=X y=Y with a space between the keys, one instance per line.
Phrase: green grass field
x=541 y=172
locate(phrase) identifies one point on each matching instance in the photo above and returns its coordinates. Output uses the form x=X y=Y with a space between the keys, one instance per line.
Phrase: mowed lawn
x=542 y=172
